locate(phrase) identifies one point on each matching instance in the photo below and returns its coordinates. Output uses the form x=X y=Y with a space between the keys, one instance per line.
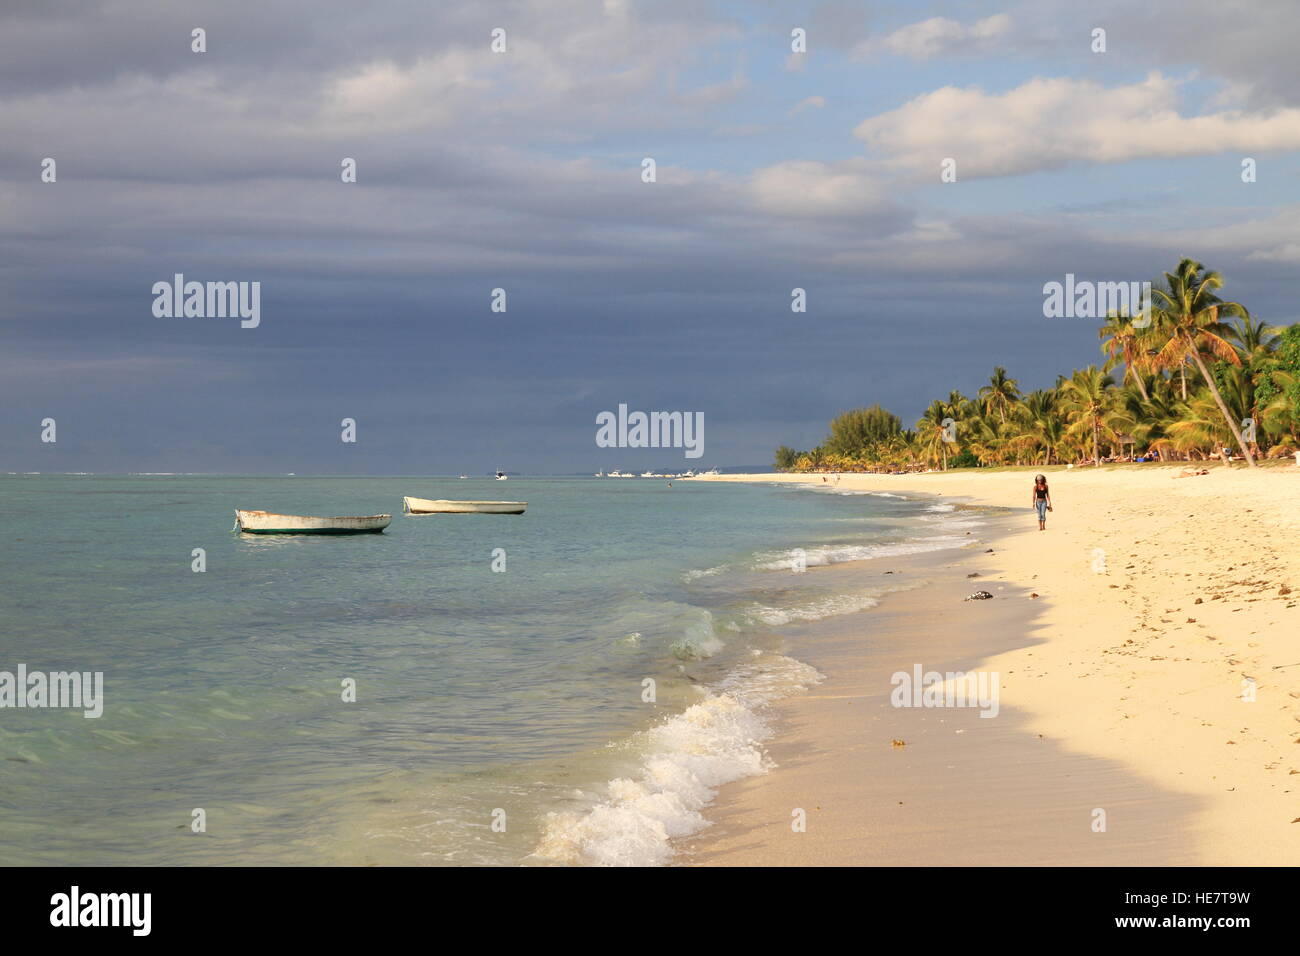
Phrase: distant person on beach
x=1042 y=500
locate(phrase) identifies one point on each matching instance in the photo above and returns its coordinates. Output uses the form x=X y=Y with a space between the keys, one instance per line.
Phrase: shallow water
x=500 y=717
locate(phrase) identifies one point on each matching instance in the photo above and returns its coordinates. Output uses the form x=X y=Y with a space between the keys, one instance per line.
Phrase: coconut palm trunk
x=1137 y=377
x=1218 y=400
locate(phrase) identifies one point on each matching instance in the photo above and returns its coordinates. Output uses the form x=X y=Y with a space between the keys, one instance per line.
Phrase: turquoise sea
x=580 y=706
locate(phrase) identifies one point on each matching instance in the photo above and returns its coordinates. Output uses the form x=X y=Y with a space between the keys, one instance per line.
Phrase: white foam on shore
x=829 y=489
x=822 y=555
x=836 y=554
x=814 y=557
x=832 y=605
x=684 y=760
x=695 y=575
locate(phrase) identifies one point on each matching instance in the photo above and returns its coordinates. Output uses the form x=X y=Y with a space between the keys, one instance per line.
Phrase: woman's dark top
x=1040 y=493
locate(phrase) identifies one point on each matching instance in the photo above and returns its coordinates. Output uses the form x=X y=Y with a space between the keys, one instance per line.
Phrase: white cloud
x=1051 y=123
x=811 y=102
x=940 y=36
x=1290 y=252
x=383 y=95
x=811 y=189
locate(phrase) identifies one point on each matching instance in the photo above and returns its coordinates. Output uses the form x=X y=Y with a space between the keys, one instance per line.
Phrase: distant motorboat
x=501 y=475
x=441 y=506
x=268 y=522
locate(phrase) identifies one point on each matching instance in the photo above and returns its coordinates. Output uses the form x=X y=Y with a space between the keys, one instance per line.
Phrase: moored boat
x=441 y=506
x=268 y=522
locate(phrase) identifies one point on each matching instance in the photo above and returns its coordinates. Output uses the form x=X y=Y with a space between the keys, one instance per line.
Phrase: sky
x=522 y=170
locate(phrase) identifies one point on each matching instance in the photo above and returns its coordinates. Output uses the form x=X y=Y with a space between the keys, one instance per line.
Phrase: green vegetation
x=1192 y=385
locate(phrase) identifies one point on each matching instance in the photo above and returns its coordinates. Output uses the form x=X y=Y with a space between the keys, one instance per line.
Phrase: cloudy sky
x=522 y=170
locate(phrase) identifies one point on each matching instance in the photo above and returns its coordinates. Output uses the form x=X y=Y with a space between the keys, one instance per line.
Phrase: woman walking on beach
x=1042 y=500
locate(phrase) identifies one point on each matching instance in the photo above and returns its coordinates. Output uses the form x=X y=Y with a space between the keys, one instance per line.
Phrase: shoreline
x=1115 y=694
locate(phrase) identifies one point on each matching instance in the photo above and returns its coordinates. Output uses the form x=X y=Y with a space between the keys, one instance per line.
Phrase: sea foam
x=837 y=554
x=683 y=762
x=831 y=605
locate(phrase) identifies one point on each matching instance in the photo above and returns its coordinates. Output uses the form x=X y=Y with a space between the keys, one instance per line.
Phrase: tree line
x=1197 y=377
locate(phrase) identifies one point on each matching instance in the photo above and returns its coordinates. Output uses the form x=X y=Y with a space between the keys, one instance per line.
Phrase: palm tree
x=1041 y=421
x=1199 y=428
x=1000 y=394
x=1246 y=371
x=1254 y=340
x=1085 y=397
x=933 y=433
x=1122 y=342
x=1190 y=314
x=1278 y=416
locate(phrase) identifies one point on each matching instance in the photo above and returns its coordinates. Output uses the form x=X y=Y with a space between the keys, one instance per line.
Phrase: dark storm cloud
x=479 y=171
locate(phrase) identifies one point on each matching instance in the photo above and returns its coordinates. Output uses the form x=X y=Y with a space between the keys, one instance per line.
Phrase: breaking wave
x=683 y=762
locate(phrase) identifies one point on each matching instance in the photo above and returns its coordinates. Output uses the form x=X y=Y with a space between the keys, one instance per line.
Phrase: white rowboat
x=268 y=522
x=440 y=506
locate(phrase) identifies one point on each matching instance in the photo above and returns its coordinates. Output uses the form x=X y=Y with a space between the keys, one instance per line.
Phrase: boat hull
x=440 y=506
x=267 y=522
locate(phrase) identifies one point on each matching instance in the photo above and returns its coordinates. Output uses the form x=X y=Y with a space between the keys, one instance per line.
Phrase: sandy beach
x=1154 y=677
